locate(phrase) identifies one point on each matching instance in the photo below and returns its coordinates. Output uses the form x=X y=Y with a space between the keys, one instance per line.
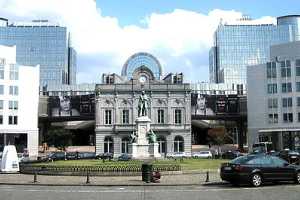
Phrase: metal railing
x=26 y=168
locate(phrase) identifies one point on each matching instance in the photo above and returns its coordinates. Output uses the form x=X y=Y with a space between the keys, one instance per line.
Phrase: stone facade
x=169 y=111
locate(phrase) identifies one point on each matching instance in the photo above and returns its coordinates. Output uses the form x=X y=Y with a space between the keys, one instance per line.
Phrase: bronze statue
x=134 y=136
x=151 y=136
x=143 y=105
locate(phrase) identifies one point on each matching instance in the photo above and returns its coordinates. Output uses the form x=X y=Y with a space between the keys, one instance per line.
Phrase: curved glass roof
x=142 y=59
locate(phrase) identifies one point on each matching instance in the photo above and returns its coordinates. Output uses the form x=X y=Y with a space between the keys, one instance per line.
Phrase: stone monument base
x=143 y=150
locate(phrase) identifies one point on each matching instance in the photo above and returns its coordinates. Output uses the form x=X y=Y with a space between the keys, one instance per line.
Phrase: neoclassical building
x=117 y=107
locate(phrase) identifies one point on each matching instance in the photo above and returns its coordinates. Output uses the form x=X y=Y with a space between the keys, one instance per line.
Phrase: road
x=211 y=192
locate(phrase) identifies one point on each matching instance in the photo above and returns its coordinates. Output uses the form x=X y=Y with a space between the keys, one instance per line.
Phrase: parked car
x=203 y=154
x=123 y=157
x=23 y=157
x=291 y=156
x=256 y=169
x=56 y=156
x=87 y=155
x=231 y=154
x=177 y=155
x=259 y=151
x=105 y=156
x=274 y=153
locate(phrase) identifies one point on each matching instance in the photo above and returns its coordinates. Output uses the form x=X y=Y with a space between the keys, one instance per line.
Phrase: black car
x=104 y=156
x=231 y=155
x=256 y=169
x=56 y=156
x=87 y=155
x=291 y=156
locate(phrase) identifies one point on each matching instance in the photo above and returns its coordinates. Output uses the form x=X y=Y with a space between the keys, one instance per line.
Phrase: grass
x=186 y=164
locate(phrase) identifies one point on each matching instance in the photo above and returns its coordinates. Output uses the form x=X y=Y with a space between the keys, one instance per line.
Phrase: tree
x=60 y=138
x=218 y=135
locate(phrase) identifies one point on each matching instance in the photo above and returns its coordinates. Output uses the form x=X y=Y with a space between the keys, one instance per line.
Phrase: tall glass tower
x=43 y=43
x=239 y=45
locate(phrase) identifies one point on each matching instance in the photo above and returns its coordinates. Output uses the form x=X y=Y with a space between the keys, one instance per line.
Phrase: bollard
x=88 y=177
x=148 y=177
x=207 y=176
x=35 y=177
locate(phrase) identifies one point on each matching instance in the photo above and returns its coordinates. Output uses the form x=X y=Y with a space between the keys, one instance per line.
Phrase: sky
x=179 y=33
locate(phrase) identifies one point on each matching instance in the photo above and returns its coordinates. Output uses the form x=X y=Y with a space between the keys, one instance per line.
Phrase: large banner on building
x=203 y=104
x=83 y=105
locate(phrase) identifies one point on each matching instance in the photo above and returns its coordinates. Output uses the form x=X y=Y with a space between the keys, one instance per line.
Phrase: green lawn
x=186 y=164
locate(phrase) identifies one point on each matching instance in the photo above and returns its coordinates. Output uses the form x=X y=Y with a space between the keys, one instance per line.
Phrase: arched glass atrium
x=142 y=59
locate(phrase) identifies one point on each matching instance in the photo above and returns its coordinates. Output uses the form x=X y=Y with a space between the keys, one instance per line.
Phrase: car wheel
x=208 y=157
x=297 y=178
x=256 y=180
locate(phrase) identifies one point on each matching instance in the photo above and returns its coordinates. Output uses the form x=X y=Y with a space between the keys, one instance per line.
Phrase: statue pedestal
x=142 y=148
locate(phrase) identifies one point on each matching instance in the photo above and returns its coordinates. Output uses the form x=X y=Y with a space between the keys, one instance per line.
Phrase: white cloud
x=180 y=40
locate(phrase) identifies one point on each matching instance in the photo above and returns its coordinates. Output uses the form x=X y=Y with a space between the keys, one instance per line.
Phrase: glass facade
x=46 y=44
x=142 y=59
x=239 y=46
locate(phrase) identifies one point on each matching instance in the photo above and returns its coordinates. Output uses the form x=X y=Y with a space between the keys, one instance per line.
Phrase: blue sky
x=105 y=33
x=131 y=12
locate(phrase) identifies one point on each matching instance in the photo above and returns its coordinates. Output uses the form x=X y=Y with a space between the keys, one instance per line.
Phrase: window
x=272 y=103
x=13 y=90
x=108 y=145
x=297 y=67
x=13 y=120
x=1 y=104
x=273 y=118
x=298 y=101
x=298 y=86
x=271 y=70
x=1 y=89
x=125 y=142
x=1 y=119
x=286 y=68
x=272 y=88
x=125 y=117
x=177 y=116
x=178 y=144
x=13 y=72
x=1 y=70
x=287 y=117
x=286 y=87
x=287 y=102
x=108 y=117
x=13 y=105
x=161 y=145
x=160 y=116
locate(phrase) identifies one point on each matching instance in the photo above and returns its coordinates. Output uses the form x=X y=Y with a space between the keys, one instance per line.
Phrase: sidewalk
x=166 y=180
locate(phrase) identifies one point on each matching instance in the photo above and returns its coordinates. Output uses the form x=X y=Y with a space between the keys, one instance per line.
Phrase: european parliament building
x=43 y=43
x=244 y=43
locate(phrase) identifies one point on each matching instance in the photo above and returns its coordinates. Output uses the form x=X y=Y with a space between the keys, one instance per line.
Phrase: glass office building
x=43 y=43
x=239 y=45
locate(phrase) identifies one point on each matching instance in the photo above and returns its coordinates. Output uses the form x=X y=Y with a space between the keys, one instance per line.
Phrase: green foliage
x=60 y=138
x=218 y=135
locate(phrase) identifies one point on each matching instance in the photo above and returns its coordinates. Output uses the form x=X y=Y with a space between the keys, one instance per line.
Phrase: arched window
x=178 y=144
x=161 y=145
x=108 y=145
x=125 y=142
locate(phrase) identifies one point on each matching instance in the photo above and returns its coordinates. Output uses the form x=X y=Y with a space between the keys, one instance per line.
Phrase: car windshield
x=293 y=152
x=203 y=152
x=241 y=160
